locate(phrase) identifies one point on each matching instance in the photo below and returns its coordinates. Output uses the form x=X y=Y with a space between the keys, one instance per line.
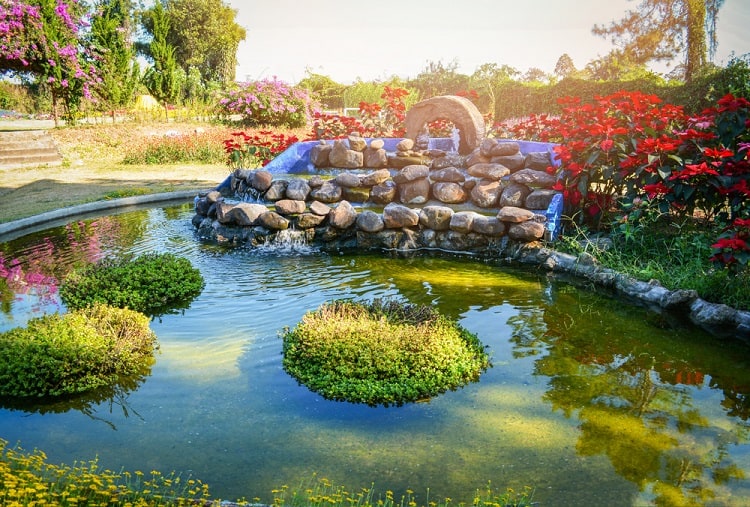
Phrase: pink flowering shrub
x=269 y=102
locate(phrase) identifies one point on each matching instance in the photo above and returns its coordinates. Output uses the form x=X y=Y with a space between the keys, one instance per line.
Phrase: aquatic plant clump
x=381 y=353
x=153 y=284
x=85 y=349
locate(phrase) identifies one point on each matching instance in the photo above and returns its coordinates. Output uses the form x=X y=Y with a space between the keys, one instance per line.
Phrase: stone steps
x=28 y=148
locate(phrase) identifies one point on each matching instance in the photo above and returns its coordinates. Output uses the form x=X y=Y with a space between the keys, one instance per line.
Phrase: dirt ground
x=92 y=170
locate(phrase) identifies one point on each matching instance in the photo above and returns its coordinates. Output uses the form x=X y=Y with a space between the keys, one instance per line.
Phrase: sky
x=375 y=40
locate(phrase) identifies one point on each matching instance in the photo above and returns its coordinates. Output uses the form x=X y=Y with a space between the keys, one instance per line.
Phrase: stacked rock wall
x=409 y=199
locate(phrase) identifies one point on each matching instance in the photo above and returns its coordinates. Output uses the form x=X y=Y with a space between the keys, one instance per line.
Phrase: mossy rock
x=381 y=353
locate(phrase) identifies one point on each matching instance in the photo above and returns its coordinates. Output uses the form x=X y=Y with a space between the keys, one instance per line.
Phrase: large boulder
x=459 y=110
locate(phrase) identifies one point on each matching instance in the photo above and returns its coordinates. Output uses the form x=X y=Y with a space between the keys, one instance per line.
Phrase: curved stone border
x=716 y=318
x=460 y=110
x=48 y=219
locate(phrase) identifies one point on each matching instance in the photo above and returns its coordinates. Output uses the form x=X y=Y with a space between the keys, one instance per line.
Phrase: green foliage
x=161 y=78
x=268 y=102
x=57 y=355
x=117 y=70
x=328 y=92
x=382 y=352
x=152 y=283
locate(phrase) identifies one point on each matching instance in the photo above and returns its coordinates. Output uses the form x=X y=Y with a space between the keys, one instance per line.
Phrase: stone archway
x=459 y=110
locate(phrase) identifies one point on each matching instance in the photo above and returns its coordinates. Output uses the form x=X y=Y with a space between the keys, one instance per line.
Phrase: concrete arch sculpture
x=459 y=110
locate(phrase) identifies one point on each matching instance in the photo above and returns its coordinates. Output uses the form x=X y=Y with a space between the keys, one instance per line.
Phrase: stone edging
x=48 y=218
x=719 y=319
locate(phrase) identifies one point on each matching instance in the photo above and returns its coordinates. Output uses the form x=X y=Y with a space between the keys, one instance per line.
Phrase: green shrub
x=381 y=352
x=72 y=353
x=153 y=284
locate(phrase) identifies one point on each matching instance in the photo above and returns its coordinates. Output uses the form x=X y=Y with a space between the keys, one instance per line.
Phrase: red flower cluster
x=251 y=150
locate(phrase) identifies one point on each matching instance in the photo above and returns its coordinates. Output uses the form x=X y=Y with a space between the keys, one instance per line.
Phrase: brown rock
x=514 y=195
x=488 y=171
x=298 y=189
x=357 y=143
x=526 y=231
x=539 y=199
x=328 y=192
x=414 y=192
x=462 y=221
x=369 y=221
x=319 y=208
x=451 y=174
x=319 y=154
x=343 y=157
x=514 y=214
x=347 y=179
x=405 y=145
x=384 y=193
x=261 y=180
x=533 y=178
x=512 y=162
x=375 y=177
x=437 y=218
x=273 y=221
x=505 y=148
x=486 y=193
x=398 y=216
x=538 y=161
x=374 y=157
x=276 y=191
x=449 y=192
x=342 y=216
x=411 y=173
x=355 y=194
x=489 y=226
x=377 y=144
x=309 y=220
x=290 y=207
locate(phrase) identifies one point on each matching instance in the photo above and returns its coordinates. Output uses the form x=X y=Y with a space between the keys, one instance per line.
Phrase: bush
x=67 y=354
x=381 y=353
x=268 y=102
x=153 y=284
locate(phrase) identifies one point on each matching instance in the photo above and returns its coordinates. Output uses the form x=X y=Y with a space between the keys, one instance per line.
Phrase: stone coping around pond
x=718 y=319
x=23 y=226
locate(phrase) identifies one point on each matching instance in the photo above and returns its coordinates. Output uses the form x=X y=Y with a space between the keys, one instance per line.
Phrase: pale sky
x=374 y=40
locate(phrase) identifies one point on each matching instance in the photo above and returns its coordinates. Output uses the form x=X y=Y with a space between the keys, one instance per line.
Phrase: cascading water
x=290 y=241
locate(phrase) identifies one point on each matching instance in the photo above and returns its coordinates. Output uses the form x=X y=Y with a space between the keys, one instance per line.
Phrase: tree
x=43 y=38
x=486 y=78
x=439 y=79
x=565 y=66
x=535 y=75
x=659 y=30
x=161 y=78
x=206 y=36
x=114 y=56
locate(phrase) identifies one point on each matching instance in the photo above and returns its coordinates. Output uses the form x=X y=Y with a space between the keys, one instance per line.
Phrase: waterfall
x=456 y=138
x=287 y=242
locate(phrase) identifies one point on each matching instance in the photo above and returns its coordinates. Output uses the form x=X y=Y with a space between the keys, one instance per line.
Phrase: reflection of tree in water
x=631 y=384
x=111 y=397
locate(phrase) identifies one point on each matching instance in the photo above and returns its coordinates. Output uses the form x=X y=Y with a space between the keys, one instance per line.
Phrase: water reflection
x=590 y=400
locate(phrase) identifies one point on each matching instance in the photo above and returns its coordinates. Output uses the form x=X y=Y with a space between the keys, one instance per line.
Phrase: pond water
x=590 y=400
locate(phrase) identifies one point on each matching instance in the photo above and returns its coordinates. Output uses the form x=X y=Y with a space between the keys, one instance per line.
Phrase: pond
x=590 y=400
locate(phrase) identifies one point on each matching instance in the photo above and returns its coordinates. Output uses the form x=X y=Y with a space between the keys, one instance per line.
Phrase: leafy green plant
x=152 y=283
x=268 y=102
x=67 y=354
x=382 y=352
x=199 y=148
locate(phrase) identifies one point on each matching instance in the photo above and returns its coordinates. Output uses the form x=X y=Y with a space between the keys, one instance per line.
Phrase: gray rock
x=357 y=143
x=485 y=147
x=222 y=212
x=276 y=191
x=398 y=216
x=712 y=315
x=343 y=157
x=319 y=208
x=261 y=180
x=342 y=216
x=489 y=226
x=348 y=179
x=290 y=207
x=526 y=231
x=513 y=162
x=246 y=214
x=449 y=174
x=437 y=218
x=375 y=177
x=273 y=221
x=316 y=181
x=374 y=157
x=488 y=171
x=213 y=196
x=533 y=178
x=384 y=193
x=462 y=221
x=411 y=173
x=449 y=160
x=449 y=192
x=405 y=145
x=328 y=192
x=414 y=192
x=514 y=195
x=540 y=198
x=309 y=220
x=514 y=214
x=369 y=221
x=538 y=161
x=486 y=193
x=298 y=189
x=681 y=298
x=505 y=149
x=475 y=157
x=377 y=144
x=319 y=154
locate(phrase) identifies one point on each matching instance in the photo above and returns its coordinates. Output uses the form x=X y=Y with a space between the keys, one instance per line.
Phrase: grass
x=676 y=253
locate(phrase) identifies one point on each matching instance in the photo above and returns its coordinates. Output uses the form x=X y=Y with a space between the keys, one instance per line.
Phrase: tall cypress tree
x=161 y=78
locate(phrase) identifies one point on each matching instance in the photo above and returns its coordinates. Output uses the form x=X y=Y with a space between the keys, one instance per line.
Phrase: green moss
x=381 y=352
x=153 y=284
x=67 y=354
